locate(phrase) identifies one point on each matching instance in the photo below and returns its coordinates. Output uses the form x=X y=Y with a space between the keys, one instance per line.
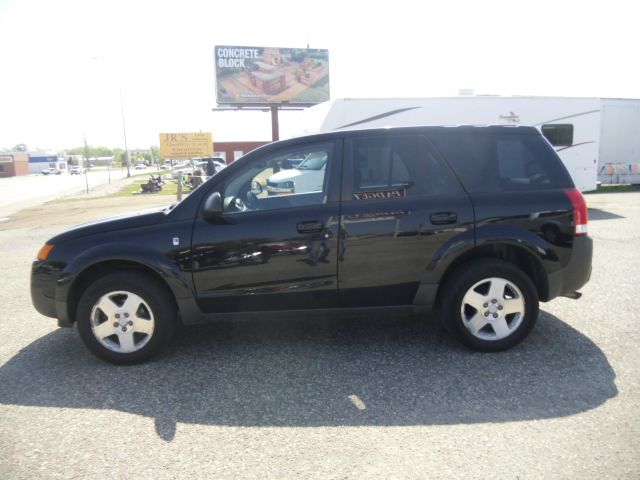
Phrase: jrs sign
x=186 y=145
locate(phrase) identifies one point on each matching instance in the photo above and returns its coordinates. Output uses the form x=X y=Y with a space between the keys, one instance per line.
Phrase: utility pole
x=124 y=130
x=153 y=160
x=86 y=164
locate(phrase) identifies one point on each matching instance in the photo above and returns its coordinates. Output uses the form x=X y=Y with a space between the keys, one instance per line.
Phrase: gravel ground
x=319 y=397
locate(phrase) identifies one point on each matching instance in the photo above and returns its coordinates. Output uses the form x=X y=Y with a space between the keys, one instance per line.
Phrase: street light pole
x=124 y=128
x=86 y=163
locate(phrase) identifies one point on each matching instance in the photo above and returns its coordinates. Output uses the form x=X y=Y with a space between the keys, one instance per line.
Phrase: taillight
x=580 y=219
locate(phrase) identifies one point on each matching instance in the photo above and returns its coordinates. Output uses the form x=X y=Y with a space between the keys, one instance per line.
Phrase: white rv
x=594 y=137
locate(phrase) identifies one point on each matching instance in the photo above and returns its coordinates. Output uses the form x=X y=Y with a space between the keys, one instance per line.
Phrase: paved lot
x=31 y=190
x=280 y=398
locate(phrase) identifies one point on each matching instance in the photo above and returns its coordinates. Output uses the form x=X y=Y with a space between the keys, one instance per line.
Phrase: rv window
x=559 y=135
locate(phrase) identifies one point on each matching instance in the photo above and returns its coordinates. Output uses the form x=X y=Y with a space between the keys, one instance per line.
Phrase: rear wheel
x=491 y=305
x=126 y=318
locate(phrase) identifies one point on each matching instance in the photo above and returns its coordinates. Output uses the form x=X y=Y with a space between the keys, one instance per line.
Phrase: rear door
x=400 y=204
x=518 y=185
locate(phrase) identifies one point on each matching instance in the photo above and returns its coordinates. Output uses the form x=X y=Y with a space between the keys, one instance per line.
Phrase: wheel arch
x=517 y=255
x=86 y=277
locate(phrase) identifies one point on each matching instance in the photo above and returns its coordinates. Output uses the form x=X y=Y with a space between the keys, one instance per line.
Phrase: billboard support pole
x=275 y=126
x=274 y=109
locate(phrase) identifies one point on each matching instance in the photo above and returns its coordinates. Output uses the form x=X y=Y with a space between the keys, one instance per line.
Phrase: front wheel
x=126 y=318
x=491 y=305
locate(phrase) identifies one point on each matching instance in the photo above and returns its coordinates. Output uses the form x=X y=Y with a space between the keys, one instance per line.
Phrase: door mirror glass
x=212 y=206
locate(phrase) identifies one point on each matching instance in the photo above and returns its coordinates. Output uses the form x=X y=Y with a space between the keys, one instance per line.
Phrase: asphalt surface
x=26 y=191
x=333 y=397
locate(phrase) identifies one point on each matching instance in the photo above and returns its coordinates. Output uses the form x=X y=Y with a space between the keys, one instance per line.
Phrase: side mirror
x=212 y=206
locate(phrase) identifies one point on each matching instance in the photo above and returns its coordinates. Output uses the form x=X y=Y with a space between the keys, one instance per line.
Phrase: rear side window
x=489 y=162
x=395 y=166
x=559 y=135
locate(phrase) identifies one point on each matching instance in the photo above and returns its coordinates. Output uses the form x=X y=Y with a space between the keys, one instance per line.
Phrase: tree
x=21 y=147
x=119 y=156
x=91 y=151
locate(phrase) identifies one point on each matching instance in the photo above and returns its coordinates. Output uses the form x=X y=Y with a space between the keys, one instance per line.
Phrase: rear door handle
x=310 y=227
x=444 y=218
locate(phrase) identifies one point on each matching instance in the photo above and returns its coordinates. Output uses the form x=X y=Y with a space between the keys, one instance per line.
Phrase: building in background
x=231 y=151
x=13 y=164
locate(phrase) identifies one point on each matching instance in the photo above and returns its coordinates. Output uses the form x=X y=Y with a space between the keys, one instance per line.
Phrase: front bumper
x=43 y=304
x=43 y=288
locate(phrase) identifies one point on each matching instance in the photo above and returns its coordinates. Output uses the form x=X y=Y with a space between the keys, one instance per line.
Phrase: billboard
x=261 y=75
x=186 y=145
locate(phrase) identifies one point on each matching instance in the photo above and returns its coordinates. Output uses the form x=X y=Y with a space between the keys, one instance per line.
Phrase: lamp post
x=86 y=164
x=124 y=128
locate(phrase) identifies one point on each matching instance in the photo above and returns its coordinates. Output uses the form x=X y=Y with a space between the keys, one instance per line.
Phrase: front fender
x=167 y=266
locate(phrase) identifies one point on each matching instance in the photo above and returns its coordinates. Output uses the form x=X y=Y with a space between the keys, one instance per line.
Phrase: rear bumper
x=577 y=272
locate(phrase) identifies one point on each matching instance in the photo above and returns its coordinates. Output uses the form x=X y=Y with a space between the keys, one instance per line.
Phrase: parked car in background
x=308 y=176
x=478 y=224
x=51 y=171
x=140 y=166
x=76 y=170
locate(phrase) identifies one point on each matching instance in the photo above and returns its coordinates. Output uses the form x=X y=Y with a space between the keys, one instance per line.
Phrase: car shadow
x=305 y=372
x=597 y=214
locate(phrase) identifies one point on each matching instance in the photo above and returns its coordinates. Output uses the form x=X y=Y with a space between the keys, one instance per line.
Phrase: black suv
x=477 y=223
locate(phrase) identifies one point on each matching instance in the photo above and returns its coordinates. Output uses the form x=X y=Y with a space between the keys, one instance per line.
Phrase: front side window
x=397 y=166
x=291 y=178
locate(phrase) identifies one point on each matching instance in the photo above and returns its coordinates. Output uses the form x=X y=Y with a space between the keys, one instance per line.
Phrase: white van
x=307 y=177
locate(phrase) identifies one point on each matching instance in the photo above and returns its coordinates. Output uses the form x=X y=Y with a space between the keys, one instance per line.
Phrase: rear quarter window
x=489 y=162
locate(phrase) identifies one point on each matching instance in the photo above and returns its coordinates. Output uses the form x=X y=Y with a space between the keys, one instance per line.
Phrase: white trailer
x=591 y=135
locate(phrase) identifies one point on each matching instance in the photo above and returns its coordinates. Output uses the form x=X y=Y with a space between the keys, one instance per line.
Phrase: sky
x=64 y=63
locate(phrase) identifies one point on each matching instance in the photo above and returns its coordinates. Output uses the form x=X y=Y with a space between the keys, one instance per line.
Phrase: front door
x=275 y=245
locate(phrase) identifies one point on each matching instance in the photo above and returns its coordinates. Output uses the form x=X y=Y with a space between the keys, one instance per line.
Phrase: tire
x=126 y=318
x=479 y=315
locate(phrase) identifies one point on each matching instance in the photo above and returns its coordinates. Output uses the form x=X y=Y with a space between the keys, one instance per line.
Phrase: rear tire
x=490 y=305
x=126 y=318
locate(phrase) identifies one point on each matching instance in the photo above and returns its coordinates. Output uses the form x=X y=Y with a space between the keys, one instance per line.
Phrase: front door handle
x=444 y=218
x=310 y=227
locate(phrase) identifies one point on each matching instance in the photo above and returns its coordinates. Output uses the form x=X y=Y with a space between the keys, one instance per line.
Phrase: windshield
x=314 y=161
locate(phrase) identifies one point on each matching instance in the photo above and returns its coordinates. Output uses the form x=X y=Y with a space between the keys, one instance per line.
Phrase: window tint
x=559 y=135
x=397 y=166
x=291 y=178
x=488 y=162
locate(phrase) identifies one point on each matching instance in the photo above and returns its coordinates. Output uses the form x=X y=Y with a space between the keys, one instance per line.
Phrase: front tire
x=126 y=318
x=490 y=305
